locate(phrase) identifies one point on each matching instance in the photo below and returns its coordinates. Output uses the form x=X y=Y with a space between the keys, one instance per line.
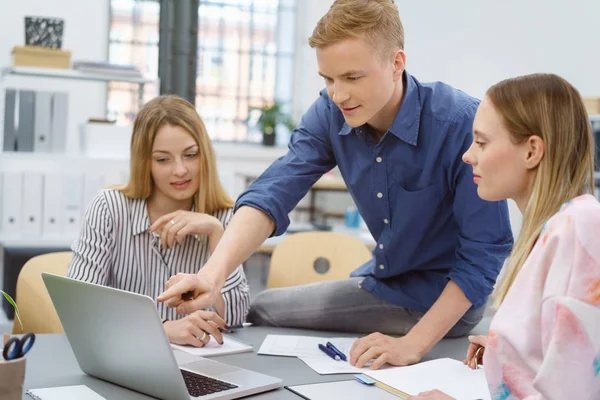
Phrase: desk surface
x=52 y=363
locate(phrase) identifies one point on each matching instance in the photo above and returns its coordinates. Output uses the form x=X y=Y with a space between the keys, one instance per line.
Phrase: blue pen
x=335 y=349
x=329 y=352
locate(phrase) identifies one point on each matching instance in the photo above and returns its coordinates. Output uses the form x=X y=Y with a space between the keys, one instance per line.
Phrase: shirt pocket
x=415 y=215
x=413 y=202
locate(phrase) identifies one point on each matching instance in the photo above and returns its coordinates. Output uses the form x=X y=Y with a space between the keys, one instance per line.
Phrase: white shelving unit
x=78 y=75
x=73 y=75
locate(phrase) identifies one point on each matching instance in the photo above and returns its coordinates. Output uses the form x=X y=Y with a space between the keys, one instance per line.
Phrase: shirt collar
x=406 y=123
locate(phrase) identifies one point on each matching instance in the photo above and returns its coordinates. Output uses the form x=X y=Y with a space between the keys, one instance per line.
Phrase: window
x=133 y=40
x=245 y=59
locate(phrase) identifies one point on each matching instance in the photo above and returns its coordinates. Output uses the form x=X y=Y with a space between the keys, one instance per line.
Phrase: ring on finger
x=204 y=335
x=476 y=357
x=172 y=222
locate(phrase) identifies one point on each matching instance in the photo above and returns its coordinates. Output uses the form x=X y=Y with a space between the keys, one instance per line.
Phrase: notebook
x=79 y=392
x=450 y=376
x=301 y=346
x=212 y=348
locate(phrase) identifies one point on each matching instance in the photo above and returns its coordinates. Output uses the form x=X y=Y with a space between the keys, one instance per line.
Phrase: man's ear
x=535 y=148
x=399 y=64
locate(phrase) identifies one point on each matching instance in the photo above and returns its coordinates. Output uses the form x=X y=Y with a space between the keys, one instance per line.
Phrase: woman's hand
x=475 y=351
x=431 y=395
x=195 y=329
x=177 y=225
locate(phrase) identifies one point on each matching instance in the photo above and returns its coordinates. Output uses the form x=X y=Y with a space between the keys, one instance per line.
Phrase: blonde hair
x=174 y=111
x=548 y=106
x=377 y=21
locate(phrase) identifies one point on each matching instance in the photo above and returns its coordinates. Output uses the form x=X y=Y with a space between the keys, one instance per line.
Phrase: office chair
x=309 y=257
x=36 y=308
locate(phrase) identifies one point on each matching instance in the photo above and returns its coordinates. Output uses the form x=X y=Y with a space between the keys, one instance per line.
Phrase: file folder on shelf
x=26 y=120
x=33 y=185
x=52 y=223
x=11 y=198
x=60 y=112
x=43 y=122
x=10 y=133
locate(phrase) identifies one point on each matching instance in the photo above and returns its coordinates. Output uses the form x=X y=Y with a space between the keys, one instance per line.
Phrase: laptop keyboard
x=200 y=385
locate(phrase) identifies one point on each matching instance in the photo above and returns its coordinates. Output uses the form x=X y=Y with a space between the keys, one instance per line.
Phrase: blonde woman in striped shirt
x=167 y=220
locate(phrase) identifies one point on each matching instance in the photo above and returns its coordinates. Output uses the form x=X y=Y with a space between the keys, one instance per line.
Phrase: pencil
x=392 y=390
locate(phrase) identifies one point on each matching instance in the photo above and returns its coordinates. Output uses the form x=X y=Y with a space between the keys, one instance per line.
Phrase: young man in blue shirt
x=398 y=145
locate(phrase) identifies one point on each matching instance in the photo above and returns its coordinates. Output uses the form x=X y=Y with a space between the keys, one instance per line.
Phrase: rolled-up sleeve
x=93 y=251
x=279 y=189
x=485 y=236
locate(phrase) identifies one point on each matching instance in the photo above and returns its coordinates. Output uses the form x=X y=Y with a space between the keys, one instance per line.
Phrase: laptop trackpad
x=209 y=367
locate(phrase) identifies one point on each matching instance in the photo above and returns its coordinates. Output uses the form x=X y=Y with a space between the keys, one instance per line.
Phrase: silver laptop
x=118 y=336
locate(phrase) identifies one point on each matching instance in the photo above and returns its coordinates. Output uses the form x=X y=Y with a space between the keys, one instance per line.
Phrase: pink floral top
x=544 y=342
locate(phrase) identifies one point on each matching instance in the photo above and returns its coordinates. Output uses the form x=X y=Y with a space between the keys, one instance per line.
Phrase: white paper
x=212 y=348
x=450 y=376
x=325 y=365
x=79 y=392
x=302 y=346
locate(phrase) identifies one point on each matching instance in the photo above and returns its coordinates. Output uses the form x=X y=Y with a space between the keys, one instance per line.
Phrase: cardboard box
x=592 y=105
x=36 y=56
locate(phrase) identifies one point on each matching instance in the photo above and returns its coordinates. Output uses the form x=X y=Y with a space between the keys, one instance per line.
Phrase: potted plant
x=12 y=373
x=270 y=116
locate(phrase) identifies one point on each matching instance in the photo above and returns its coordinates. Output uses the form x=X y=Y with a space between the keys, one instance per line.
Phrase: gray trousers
x=342 y=306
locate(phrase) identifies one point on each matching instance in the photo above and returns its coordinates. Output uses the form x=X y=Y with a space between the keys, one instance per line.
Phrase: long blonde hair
x=548 y=106
x=377 y=21
x=174 y=111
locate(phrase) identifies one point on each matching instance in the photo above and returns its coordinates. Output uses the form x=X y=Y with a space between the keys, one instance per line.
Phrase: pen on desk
x=329 y=352
x=337 y=351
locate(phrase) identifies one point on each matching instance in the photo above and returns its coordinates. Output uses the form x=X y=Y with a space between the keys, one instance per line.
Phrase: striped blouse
x=115 y=249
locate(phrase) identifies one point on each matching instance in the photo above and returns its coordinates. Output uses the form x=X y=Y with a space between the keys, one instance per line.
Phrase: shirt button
x=386 y=221
x=379 y=195
x=381 y=266
x=378 y=159
x=381 y=246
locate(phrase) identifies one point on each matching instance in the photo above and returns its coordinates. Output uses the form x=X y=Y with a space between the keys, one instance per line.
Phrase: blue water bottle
x=351 y=217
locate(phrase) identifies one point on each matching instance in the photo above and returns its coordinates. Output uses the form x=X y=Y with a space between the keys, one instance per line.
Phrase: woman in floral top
x=533 y=144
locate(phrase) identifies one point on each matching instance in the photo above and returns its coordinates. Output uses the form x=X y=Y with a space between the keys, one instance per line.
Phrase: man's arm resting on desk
x=441 y=317
x=246 y=231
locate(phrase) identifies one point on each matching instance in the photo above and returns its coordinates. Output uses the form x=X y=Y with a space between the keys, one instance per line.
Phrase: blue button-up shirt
x=413 y=190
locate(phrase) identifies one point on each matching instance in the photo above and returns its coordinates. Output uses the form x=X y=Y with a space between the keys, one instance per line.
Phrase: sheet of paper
x=79 y=392
x=347 y=390
x=212 y=348
x=445 y=374
x=325 y=365
x=301 y=346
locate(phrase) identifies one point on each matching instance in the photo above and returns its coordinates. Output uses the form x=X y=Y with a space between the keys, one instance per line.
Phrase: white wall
x=473 y=44
x=85 y=35
x=483 y=42
x=308 y=82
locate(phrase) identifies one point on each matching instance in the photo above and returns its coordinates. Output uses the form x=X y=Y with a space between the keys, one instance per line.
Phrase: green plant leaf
x=12 y=303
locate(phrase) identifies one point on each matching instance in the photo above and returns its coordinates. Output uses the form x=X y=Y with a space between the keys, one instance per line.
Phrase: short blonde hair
x=174 y=111
x=376 y=21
